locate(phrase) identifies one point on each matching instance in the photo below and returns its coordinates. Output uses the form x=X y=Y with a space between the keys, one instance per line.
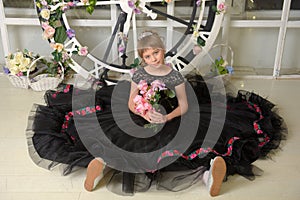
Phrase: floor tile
x=21 y=179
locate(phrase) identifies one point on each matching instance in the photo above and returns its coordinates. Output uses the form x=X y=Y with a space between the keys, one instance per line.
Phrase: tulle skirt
x=77 y=125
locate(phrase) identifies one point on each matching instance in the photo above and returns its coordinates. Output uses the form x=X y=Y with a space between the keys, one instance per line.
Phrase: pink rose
x=221 y=7
x=83 y=51
x=48 y=32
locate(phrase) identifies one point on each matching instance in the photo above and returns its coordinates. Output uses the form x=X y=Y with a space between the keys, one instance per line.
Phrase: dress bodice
x=171 y=80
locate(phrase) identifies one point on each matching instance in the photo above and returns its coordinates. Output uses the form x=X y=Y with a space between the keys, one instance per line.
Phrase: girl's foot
x=216 y=175
x=94 y=174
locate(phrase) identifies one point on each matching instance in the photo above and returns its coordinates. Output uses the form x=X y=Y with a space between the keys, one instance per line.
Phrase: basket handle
x=32 y=64
x=230 y=49
x=62 y=71
x=42 y=57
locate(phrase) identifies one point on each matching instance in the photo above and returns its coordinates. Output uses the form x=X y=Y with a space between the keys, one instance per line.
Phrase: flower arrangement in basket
x=49 y=79
x=220 y=66
x=17 y=67
x=26 y=70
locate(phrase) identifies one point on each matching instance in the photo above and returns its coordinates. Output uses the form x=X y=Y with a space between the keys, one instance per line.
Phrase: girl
x=179 y=151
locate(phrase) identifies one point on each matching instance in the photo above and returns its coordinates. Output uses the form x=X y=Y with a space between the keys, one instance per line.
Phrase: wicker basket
x=44 y=82
x=18 y=81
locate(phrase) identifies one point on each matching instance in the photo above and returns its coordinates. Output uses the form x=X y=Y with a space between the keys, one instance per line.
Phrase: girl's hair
x=149 y=39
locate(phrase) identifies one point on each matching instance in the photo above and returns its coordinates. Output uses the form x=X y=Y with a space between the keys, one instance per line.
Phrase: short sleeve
x=177 y=78
x=137 y=76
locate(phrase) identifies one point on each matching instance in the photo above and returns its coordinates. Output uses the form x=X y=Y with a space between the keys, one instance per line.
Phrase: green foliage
x=218 y=66
x=135 y=63
x=60 y=35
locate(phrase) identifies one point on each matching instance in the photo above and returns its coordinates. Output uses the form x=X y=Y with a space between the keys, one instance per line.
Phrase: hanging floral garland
x=50 y=14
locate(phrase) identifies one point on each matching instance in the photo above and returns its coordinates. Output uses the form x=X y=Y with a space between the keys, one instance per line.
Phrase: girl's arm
x=182 y=102
x=133 y=92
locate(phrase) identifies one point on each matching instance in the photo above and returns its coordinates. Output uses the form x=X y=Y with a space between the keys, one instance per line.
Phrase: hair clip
x=145 y=34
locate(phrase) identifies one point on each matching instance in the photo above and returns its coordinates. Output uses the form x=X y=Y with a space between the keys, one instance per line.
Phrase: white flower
x=18 y=57
x=45 y=13
x=84 y=1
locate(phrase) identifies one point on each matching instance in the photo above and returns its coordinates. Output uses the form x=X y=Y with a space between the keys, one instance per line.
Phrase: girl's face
x=154 y=57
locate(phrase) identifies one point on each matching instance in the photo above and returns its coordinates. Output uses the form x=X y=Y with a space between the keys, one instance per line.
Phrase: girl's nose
x=153 y=58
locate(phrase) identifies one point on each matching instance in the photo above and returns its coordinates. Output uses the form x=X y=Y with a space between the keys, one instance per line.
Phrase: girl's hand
x=156 y=117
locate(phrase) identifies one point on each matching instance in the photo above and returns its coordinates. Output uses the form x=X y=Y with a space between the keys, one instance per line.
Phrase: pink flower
x=49 y=31
x=196 y=49
x=142 y=86
x=73 y=138
x=98 y=108
x=150 y=94
x=221 y=7
x=158 y=85
x=83 y=51
x=137 y=99
x=65 y=56
x=71 y=4
x=44 y=3
x=193 y=156
x=20 y=74
x=121 y=48
x=148 y=106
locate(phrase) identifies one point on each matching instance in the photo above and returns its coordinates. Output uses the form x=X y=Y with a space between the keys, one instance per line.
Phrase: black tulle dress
x=77 y=125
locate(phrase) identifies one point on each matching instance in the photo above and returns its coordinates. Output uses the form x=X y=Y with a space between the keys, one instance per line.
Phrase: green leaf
x=90 y=9
x=60 y=35
x=57 y=56
x=214 y=8
x=200 y=41
x=170 y=93
x=136 y=61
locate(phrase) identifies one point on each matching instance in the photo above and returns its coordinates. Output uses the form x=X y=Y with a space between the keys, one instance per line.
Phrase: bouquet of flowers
x=24 y=69
x=18 y=66
x=18 y=63
x=149 y=97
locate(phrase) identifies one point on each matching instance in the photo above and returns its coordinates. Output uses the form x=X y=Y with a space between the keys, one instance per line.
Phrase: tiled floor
x=21 y=179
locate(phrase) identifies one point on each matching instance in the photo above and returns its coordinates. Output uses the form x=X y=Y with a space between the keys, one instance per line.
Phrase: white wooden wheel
x=198 y=32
